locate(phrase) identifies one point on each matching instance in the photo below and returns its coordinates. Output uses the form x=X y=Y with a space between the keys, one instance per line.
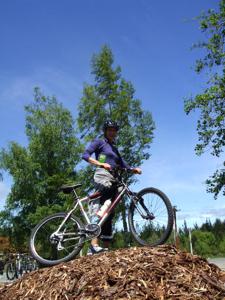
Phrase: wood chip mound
x=136 y=273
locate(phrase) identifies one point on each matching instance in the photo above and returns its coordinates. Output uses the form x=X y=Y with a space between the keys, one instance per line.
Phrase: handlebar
x=117 y=173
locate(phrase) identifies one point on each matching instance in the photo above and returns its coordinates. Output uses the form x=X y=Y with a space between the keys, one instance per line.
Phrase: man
x=107 y=157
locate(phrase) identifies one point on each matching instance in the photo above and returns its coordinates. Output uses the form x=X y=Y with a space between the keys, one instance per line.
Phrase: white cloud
x=19 y=90
x=215 y=212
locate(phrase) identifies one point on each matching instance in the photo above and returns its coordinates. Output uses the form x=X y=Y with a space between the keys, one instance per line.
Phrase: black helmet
x=110 y=124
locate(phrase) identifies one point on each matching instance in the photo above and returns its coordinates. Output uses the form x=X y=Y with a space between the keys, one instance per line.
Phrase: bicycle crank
x=92 y=230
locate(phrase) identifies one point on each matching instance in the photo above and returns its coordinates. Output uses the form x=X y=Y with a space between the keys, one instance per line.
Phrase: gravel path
x=220 y=262
x=3 y=278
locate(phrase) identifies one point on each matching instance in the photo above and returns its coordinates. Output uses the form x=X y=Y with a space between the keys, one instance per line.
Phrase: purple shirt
x=112 y=156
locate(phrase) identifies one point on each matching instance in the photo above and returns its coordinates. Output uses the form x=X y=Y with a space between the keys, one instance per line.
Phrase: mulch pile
x=136 y=273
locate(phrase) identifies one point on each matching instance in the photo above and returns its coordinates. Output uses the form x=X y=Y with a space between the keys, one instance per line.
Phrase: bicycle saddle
x=68 y=188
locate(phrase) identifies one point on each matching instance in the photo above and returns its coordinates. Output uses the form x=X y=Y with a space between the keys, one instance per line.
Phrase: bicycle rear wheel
x=50 y=247
x=151 y=217
x=10 y=270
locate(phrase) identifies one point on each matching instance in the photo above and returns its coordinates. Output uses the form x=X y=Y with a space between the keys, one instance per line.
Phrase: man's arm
x=90 y=150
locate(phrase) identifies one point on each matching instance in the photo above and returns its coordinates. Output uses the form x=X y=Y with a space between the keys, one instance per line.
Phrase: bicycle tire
x=31 y=265
x=34 y=266
x=48 y=261
x=10 y=270
x=150 y=235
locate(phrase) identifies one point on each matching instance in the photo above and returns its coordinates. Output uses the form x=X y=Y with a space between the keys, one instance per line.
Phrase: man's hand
x=106 y=166
x=136 y=170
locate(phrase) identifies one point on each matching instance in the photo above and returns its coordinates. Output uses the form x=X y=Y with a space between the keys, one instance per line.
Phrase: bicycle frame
x=79 y=202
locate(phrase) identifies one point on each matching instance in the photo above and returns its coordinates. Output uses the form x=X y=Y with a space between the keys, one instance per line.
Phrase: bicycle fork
x=146 y=215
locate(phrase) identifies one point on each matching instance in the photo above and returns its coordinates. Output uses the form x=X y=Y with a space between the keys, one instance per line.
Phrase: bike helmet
x=110 y=124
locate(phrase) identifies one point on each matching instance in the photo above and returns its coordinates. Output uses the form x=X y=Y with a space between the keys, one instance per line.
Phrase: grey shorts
x=103 y=179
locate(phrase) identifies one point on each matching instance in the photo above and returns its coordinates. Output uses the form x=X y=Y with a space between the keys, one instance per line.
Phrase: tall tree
x=211 y=102
x=112 y=97
x=40 y=168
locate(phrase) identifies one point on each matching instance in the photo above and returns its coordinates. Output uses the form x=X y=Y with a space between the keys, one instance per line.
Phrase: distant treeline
x=208 y=240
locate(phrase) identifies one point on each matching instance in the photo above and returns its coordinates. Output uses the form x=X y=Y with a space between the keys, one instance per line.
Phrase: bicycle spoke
x=151 y=218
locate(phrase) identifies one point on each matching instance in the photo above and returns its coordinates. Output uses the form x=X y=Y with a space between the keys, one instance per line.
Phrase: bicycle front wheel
x=151 y=217
x=51 y=246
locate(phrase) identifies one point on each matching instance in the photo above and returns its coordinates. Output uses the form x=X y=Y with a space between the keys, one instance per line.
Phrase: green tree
x=39 y=169
x=204 y=243
x=207 y=226
x=218 y=229
x=221 y=247
x=112 y=97
x=211 y=102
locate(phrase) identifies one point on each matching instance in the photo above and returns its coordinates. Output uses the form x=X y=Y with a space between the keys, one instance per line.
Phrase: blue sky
x=50 y=44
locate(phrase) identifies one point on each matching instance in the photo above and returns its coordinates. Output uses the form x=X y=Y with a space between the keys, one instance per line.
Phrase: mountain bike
x=60 y=237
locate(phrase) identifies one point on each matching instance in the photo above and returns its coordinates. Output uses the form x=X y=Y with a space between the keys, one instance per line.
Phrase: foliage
x=39 y=169
x=211 y=102
x=204 y=243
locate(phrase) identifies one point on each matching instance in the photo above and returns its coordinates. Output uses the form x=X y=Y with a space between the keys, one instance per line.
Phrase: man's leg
x=106 y=232
x=104 y=183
